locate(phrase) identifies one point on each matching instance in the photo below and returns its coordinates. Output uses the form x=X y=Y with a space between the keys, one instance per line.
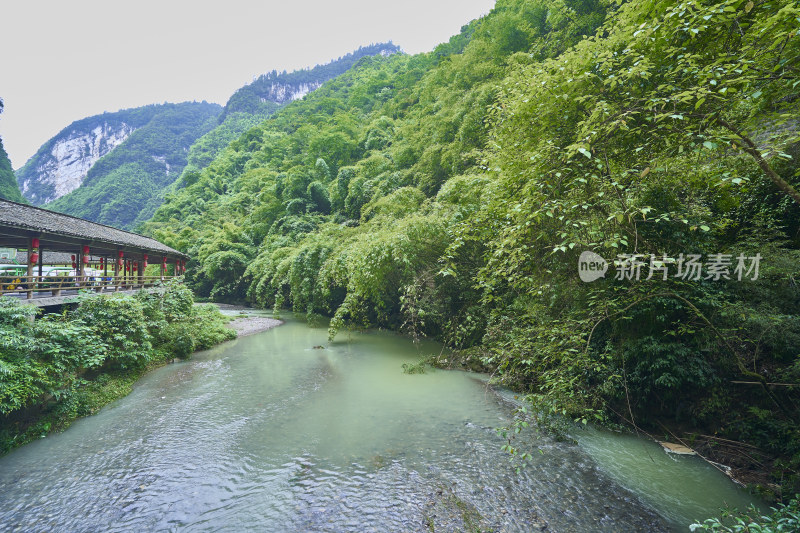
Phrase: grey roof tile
x=36 y=219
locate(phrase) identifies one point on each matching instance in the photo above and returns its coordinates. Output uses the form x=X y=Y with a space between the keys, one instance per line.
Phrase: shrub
x=67 y=345
x=208 y=327
x=180 y=339
x=119 y=321
x=785 y=517
x=176 y=301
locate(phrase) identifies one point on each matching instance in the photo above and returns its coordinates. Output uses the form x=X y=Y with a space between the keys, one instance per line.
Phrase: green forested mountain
x=115 y=168
x=60 y=165
x=253 y=103
x=124 y=186
x=8 y=181
x=452 y=194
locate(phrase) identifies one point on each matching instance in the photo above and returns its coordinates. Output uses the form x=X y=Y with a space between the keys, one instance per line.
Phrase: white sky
x=61 y=61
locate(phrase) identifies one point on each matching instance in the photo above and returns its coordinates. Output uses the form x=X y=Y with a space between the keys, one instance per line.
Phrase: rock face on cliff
x=112 y=168
x=279 y=88
x=61 y=166
x=62 y=163
x=282 y=92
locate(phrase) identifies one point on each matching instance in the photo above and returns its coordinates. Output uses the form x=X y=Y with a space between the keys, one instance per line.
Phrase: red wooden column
x=29 y=280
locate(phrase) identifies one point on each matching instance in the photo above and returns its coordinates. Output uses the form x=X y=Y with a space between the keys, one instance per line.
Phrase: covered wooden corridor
x=101 y=258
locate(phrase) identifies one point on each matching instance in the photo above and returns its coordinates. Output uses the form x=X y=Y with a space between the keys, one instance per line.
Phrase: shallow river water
x=268 y=433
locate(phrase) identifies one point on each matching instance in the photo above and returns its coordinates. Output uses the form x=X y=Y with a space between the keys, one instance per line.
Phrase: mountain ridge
x=61 y=164
x=282 y=87
x=115 y=168
x=258 y=100
x=127 y=180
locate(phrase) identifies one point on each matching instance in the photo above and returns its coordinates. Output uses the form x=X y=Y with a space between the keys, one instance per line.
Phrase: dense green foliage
x=253 y=103
x=784 y=518
x=125 y=186
x=60 y=367
x=451 y=194
x=206 y=148
x=8 y=181
x=671 y=134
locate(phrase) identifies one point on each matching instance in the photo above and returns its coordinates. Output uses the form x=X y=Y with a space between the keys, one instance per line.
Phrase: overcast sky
x=62 y=61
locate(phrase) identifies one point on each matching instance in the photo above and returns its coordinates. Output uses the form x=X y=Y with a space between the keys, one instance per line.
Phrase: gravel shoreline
x=248 y=325
x=253 y=324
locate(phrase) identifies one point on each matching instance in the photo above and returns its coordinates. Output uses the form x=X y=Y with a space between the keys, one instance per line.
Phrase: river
x=269 y=433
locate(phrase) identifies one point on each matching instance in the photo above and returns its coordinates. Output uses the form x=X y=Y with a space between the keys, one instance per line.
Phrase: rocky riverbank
x=245 y=322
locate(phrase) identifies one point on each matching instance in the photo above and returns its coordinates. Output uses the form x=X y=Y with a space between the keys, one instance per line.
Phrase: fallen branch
x=767 y=383
x=736 y=442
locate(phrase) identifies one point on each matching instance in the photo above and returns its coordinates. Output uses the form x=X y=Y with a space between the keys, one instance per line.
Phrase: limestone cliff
x=62 y=164
x=112 y=168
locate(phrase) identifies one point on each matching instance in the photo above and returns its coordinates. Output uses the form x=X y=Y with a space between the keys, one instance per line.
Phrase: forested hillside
x=8 y=182
x=452 y=194
x=125 y=186
x=253 y=103
x=62 y=163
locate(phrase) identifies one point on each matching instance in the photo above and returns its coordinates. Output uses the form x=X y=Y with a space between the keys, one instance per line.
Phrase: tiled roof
x=35 y=219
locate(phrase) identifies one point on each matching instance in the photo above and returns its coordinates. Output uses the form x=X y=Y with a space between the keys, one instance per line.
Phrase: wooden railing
x=27 y=286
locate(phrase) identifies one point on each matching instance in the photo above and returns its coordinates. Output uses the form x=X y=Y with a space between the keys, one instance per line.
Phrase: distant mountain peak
x=275 y=87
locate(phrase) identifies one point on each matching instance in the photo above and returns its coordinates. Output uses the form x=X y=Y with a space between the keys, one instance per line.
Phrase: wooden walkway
x=101 y=258
x=46 y=299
